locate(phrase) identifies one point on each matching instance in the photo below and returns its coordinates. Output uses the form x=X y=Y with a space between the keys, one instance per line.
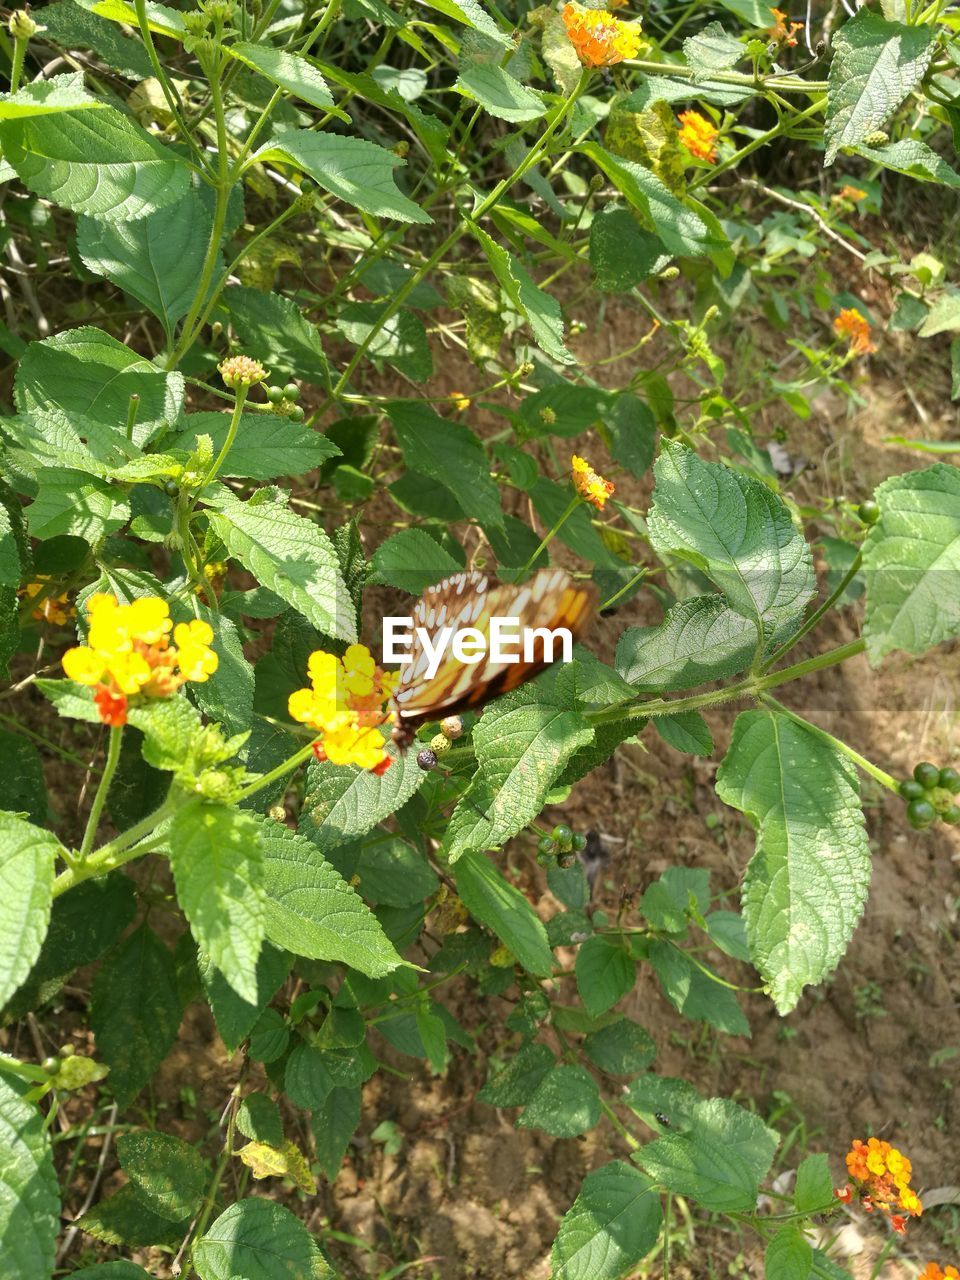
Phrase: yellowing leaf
x=285 y=1161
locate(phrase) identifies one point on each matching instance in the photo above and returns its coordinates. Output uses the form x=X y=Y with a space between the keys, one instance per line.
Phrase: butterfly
x=550 y=599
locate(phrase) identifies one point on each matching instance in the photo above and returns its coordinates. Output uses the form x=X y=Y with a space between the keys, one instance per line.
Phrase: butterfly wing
x=550 y=599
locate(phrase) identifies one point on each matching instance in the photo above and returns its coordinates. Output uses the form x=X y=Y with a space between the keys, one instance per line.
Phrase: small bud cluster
x=930 y=796
x=561 y=846
x=283 y=400
x=451 y=728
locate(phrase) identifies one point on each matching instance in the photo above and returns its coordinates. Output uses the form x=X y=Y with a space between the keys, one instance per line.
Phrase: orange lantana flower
x=850 y=324
x=55 y=609
x=698 y=135
x=933 y=1272
x=851 y=193
x=782 y=31
x=881 y=1178
x=589 y=484
x=348 y=700
x=600 y=39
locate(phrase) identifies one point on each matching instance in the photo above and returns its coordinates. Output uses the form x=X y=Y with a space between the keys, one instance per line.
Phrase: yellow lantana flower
x=698 y=135
x=346 y=704
x=589 y=484
x=600 y=39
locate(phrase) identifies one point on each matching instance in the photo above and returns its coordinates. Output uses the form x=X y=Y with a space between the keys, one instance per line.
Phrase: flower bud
x=440 y=744
x=277 y=812
x=241 y=371
x=669 y=273
x=597 y=182
x=21 y=26
x=879 y=138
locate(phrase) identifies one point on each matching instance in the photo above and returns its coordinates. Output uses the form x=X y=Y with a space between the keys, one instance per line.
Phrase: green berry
x=51 y=1065
x=545 y=845
x=274 y=394
x=920 y=814
x=291 y=391
x=951 y=815
x=579 y=843
x=869 y=511
x=297 y=414
x=927 y=774
x=562 y=837
x=171 y=488
x=546 y=859
x=950 y=780
x=910 y=789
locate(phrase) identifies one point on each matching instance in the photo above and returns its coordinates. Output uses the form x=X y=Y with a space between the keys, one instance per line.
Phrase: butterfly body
x=549 y=600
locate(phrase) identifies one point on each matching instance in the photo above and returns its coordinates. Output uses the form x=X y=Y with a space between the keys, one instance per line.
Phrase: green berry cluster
x=284 y=400
x=930 y=795
x=561 y=846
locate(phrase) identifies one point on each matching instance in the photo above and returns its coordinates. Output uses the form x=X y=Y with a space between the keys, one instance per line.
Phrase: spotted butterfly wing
x=549 y=599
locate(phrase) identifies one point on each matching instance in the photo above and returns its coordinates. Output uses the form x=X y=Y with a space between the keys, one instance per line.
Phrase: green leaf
x=160 y=19
x=702 y=1167
x=738 y=532
x=522 y=744
x=386 y=870
x=915 y=159
x=343 y=802
x=686 y=731
x=622 y=1048
x=876 y=64
x=70 y=26
x=788 y=1256
x=73 y=701
x=123 y=1219
x=680 y=892
x=911 y=560
x=27 y=864
x=77 y=385
x=96 y=162
x=752 y=13
x=269 y=1038
x=495 y=902
x=258 y=1240
x=135 y=1011
x=694 y=993
x=539 y=309
x=699 y=640
x=291 y=556
x=259 y=1118
x=614 y=1222
x=806 y=885
x=411 y=560
x=472 y=14
x=401 y=340
x=814 y=1186
x=156 y=259
x=712 y=49
x=48 y=97
x=167 y=1175
x=215 y=855
x=566 y=1103
x=943 y=316
x=227 y=695
x=265 y=446
x=450 y=453
x=70 y=502
x=679 y=226
x=498 y=92
x=333 y=1124
x=727 y=930
x=22 y=787
x=274 y=330
x=516 y=1083
x=289 y=70
x=358 y=172
x=29 y=1193
x=236 y=1017
x=169 y=727
x=109 y=1270
x=313 y=912
x=605 y=974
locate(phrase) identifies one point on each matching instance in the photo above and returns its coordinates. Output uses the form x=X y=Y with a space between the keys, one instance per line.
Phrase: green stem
x=281 y=771
x=115 y=853
x=880 y=775
x=548 y=538
x=641 y=573
x=782 y=84
x=168 y=90
x=100 y=799
x=815 y=617
x=214 y=470
x=16 y=65
x=709 y=175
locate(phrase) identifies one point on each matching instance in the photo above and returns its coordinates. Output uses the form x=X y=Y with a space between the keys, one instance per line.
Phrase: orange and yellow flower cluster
x=600 y=39
x=128 y=654
x=782 y=31
x=53 y=609
x=589 y=484
x=933 y=1272
x=881 y=1179
x=855 y=328
x=698 y=135
x=347 y=702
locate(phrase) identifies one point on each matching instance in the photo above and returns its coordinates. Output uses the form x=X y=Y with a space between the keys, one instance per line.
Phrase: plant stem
x=548 y=538
x=160 y=73
x=16 y=64
x=884 y=778
x=99 y=800
x=815 y=617
x=115 y=853
x=281 y=771
x=214 y=470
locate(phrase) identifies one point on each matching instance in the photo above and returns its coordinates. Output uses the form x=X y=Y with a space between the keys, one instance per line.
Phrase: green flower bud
x=879 y=138
x=21 y=26
x=669 y=273
x=440 y=744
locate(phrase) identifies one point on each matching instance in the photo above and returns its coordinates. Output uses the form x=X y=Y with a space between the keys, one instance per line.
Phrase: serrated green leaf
x=727 y=930
x=217 y=865
x=495 y=902
x=411 y=560
x=753 y=13
x=124 y=1220
x=498 y=92
x=96 y=162
x=313 y=912
x=915 y=159
x=695 y=993
x=333 y=1124
x=226 y=696
x=291 y=556
x=71 y=26
x=450 y=453
x=135 y=1011
x=269 y=1038
x=400 y=340
x=236 y=1017
x=668 y=903
x=713 y=1174
x=605 y=974
x=258 y=1118
x=358 y=172
x=712 y=49
x=161 y=20
x=265 y=446
x=622 y=254
x=258 y=1240
x=47 y=97
x=275 y=331
x=29 y=1193
x=516 y=1083
x=69 y=502
x=22 y=787
x=876 y=64
x=699 y=640
x=522 y=743
x=167 y=1175
x=623 y=1048
x=788 y=1256
x=110 y=1270
x=566 y=1103
x=943 y=316
x=27 y=864
x=386 y=870
x=540 y=310
x=613 y=1223
x=738 y=532
x=805 y=887
x=472 y=14
x=169 y=726
x=814 y=1186
x=343 y=802
x=687 y=731
x=911 y=560
x=73 y=701
x=289 y=70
